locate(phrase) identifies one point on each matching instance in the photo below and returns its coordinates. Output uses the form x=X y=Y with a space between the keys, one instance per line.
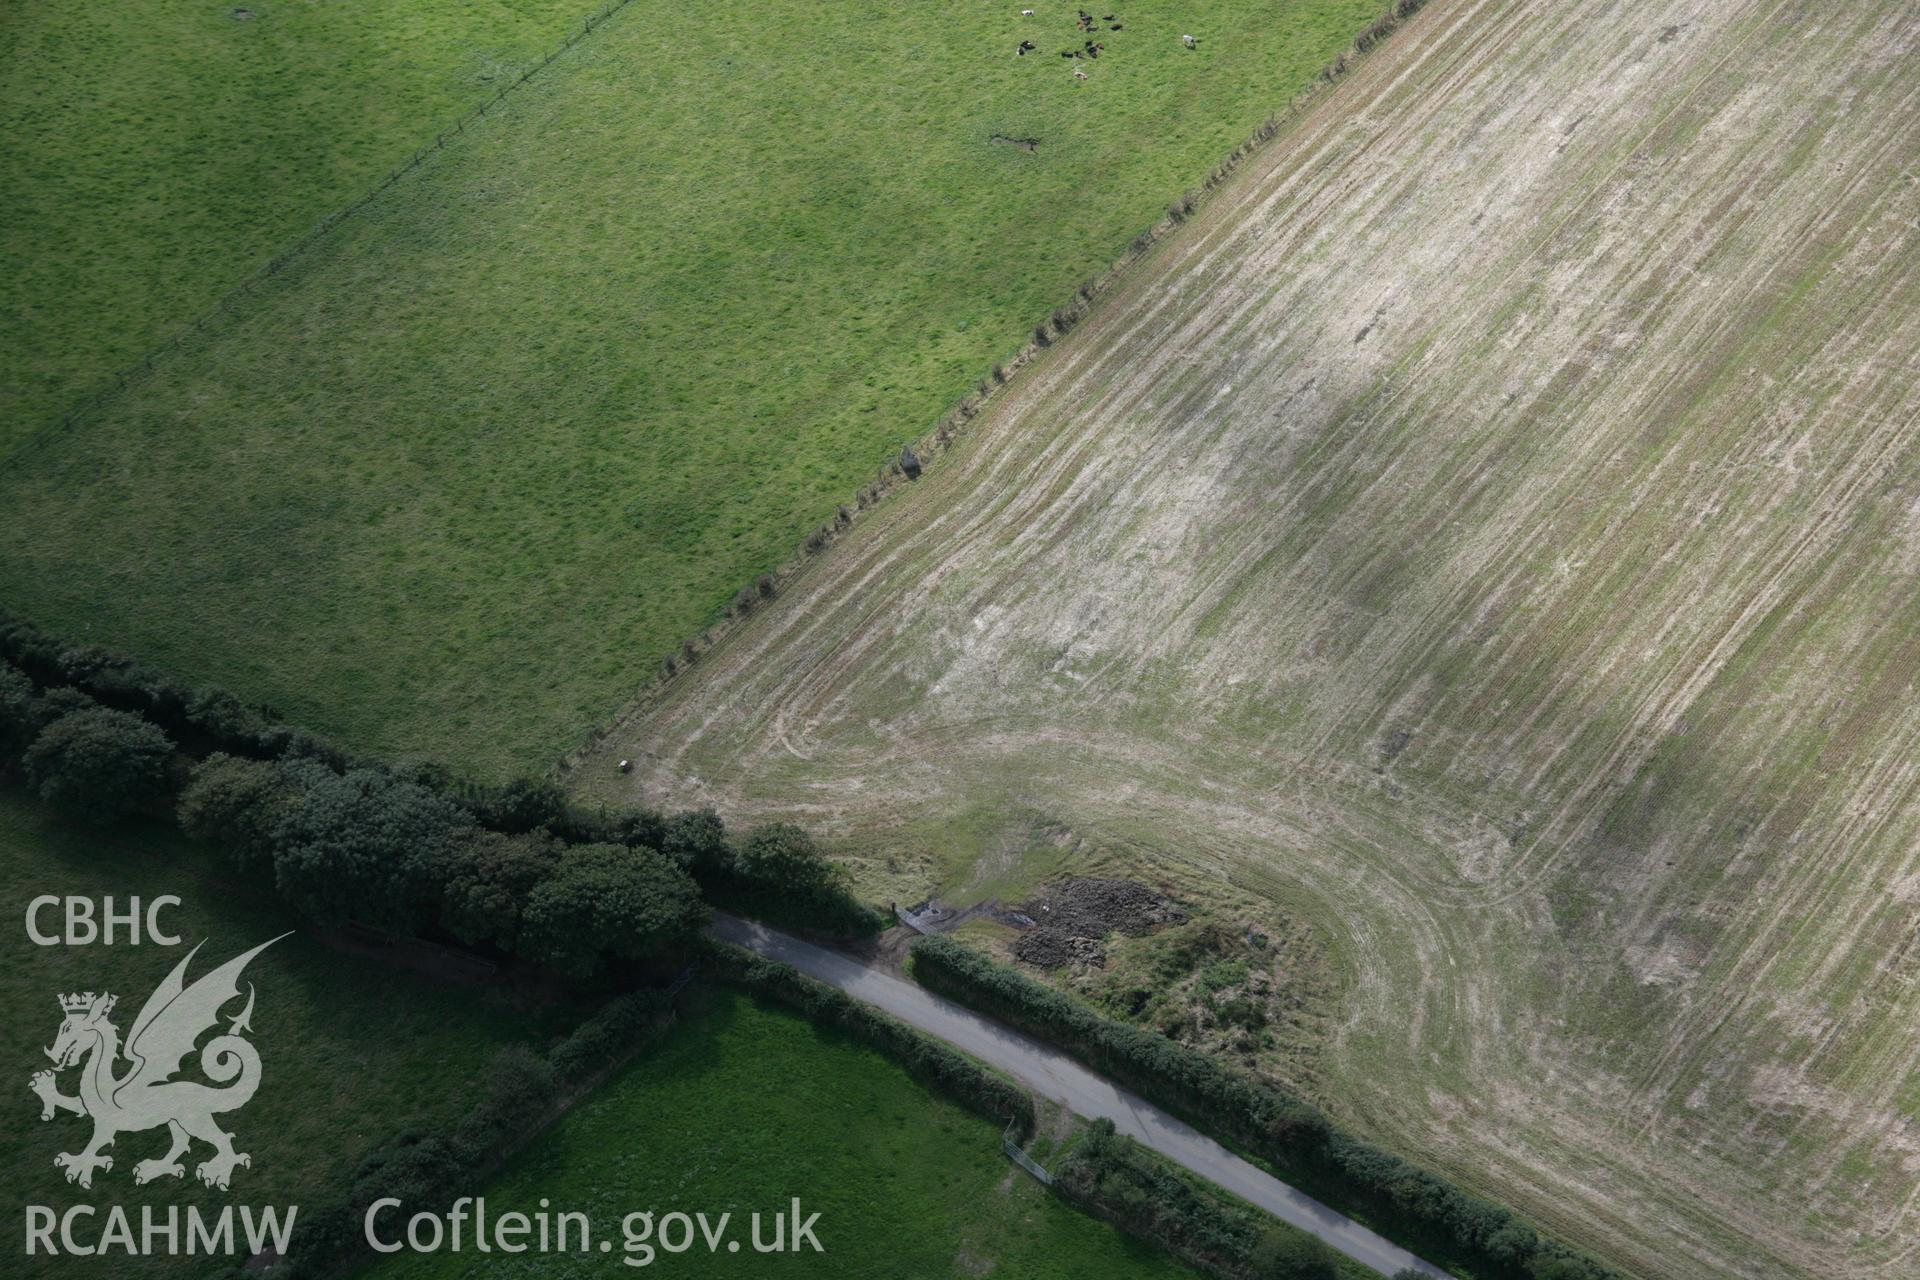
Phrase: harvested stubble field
x=458 y=479
x=1491 y=531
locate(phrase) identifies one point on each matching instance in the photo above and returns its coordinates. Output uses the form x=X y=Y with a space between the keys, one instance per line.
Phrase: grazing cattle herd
x=1089 y=49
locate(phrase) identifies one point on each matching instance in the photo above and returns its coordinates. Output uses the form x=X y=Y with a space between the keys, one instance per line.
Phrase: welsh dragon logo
x=145 y=1095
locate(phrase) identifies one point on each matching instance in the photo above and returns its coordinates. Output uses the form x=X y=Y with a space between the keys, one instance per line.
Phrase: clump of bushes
x=19 y=715
x=1180 y=1078
x=236 y=805
x=486 y=876
x=521 y=805
x=605 y=902
x=197 y=720
x=99 y=763
x=775 y=873
x=360 y=845
x=617 y=1027
x=377 y=846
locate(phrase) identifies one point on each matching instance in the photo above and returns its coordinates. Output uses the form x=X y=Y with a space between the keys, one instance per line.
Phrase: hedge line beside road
x=925 y=1059
x=1294 y=1136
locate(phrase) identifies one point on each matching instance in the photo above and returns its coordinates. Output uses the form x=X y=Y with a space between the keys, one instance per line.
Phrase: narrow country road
x=1052 y=1073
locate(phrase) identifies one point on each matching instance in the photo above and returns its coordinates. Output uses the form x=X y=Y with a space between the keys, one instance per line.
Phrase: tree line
x=512 y=869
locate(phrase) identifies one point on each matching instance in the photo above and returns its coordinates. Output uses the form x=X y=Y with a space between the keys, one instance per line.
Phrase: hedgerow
x=522 y=1093
x=1111 y=1176
x=398 y=845
x=1288 y=1132
x=405 y=847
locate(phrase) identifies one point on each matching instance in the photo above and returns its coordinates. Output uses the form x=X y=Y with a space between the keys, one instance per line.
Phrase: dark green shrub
x=19 y=720
x=610 y=826
x=362 y=845
x=1287 y=1254
x=520 y=1090
x=1285 y=1130
x=779 y=874
x=605 y=902
x=524 y=804
x=597 y=1043
x=57 y=702
x=1184 y=1079
x=781 y=859
x=199 y=719
x=1145 y=1195
x=237 y=805
x=697 y=842
x=224 y=719
x=486 y=877
x=99 y=764
x=1512 y=1243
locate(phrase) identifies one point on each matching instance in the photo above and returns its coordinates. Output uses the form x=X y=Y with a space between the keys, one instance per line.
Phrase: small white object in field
x=1187 y=40
x=1026 y=13
x=1079 y=75
x=626 y=766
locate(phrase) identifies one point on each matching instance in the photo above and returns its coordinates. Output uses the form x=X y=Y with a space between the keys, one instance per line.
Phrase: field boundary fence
x=946 y=429
x=130 y=375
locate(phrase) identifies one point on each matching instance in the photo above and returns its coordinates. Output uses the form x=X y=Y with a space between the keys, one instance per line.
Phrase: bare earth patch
x=1490 y=531
x=1072 y=919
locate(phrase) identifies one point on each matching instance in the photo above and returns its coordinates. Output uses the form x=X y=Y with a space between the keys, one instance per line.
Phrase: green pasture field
x=352 y=1050
x=463 y=475
x=156 y=153
x=745 y=1107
